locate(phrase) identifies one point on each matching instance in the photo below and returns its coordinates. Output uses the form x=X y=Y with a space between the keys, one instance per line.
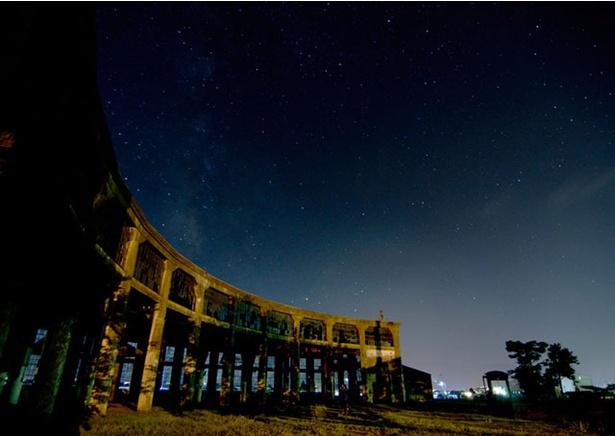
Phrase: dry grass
x=324 y=421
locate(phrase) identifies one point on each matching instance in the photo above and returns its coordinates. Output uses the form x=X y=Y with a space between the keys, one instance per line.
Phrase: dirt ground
x=332 y=421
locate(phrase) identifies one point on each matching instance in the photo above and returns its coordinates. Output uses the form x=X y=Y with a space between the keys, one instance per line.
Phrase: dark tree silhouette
x=558 y=366
x=529 y=373
x=529 y=370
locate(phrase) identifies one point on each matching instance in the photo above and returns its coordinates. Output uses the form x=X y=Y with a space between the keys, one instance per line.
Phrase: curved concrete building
x=96 y=306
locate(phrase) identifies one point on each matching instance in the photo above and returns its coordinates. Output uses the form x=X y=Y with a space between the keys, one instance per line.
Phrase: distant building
x=579 y=383
x=418 y=385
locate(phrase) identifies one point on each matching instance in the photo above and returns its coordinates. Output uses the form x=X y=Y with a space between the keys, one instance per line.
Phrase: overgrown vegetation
x=323 y=420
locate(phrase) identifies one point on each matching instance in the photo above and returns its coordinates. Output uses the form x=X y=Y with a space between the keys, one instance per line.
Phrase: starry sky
x=451 y=164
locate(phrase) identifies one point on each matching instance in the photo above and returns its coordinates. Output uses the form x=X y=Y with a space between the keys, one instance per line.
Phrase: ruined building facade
x=95 y=305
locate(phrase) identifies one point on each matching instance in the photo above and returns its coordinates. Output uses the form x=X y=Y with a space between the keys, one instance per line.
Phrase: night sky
x=451 y=164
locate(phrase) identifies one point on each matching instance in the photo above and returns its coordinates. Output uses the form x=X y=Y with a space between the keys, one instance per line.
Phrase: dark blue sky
x=452 y=164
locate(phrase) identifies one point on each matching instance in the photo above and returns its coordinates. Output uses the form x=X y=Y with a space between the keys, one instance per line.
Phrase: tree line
x=539 y=376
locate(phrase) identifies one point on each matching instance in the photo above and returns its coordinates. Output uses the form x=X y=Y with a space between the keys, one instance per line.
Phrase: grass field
x=329 y=421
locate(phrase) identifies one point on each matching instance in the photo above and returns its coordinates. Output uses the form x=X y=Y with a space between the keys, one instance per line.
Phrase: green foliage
x=540 y=378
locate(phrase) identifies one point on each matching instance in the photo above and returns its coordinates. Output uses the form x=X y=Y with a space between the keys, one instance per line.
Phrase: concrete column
x=199 y=357
x=212 y=375
x=328 y=391
x=327 y=364
x=395 y=331
x=279 y=380
x=309 y=374
x=152 y=359
x=191 y=385
x=198 y=393
x=104 y=371
x=228 y=363
x=329 y=329
x=152 y=355
x=17 y=383
x=53 y=362
x=247 y=362
x=261 y=386
x=294 y=362
x=104 y=368
x=361 y=328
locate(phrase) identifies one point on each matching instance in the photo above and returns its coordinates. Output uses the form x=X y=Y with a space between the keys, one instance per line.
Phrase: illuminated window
x=303 y=386
x=30 y=372
x=254 y=381
x=238 y=365
x=129 y=356
x=126 y=376
x=255 y=374
x=270 y=383
x=205 y=373
x=33 y=360
x=317 y=382
x=167 y=368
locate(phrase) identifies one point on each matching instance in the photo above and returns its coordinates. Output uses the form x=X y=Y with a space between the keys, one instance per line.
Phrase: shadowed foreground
x=321 y=420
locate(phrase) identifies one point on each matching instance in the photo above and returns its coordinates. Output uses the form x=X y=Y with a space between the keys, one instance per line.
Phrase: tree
x=558 y=366
x=529 y=370
x=529 y=373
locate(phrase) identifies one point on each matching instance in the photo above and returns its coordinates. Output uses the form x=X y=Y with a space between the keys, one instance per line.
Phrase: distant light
x=500 y=391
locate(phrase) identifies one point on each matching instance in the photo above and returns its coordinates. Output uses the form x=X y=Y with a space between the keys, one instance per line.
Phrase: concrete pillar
x=152 y=355
x=191 y=386
x=363 y=355
x=212 y=376
x=52 y=364
x=152 y=359
x=104 y=371
x=17 y=383
x=247 y=362
x=279 y=381
x=396 y=344
x=327 y=365
x=328 y=389
x=362 y=365
x=329 y=329
x=309 y=374
x=104 y=368
x=226 y=387
x=261 y=386
x=198 y=392
x=294 y=362
x=195 y=353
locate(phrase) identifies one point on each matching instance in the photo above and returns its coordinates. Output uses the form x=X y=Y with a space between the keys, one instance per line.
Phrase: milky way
x=451 y=164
